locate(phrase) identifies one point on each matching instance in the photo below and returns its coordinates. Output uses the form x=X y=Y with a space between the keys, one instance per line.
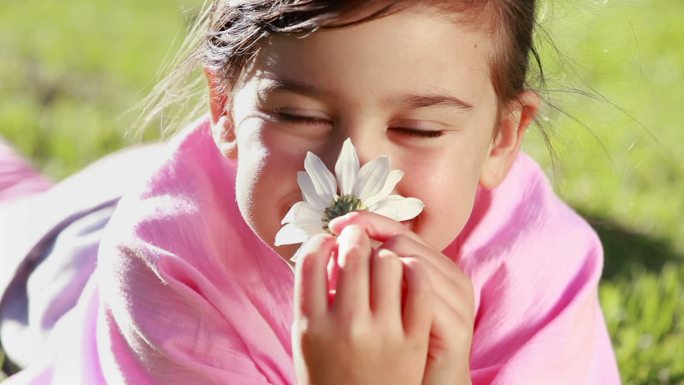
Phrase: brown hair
x=227 y=36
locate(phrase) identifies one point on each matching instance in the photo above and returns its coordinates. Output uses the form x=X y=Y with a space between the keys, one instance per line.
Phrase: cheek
x=266 y=182
x=447 y=186
x=248 y=182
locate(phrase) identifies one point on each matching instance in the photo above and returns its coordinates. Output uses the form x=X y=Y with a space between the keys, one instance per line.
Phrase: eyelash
x=300 y=119
x=402 y=130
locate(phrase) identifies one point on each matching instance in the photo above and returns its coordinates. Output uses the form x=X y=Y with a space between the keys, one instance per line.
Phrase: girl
x=495 y=282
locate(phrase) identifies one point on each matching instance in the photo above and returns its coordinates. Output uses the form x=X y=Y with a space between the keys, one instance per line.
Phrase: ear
x=514 y=121
x=222 y=129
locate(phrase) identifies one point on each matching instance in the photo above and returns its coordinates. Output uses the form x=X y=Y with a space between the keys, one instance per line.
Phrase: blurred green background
x=70 y=71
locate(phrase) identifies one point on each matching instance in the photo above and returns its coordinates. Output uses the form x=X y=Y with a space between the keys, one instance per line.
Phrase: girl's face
x=414 y=86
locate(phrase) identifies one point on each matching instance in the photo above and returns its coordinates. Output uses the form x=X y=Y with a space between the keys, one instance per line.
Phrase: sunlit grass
x=624 y=170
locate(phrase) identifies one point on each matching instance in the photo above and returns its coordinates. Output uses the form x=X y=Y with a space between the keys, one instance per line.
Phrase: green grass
x=72 y=69
x=69 y=71
x=624 y=172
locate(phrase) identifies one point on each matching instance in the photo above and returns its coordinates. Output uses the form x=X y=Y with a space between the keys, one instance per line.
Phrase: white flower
x=367 y=188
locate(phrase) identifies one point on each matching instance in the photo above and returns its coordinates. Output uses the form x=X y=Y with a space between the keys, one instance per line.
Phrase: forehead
x=411 y=50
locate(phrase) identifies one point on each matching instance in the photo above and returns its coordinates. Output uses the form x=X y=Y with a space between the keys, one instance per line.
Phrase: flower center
x=341 y=205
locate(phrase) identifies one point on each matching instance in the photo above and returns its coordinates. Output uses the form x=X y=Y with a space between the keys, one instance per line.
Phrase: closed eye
x=417 y=133
x=312 y=120
x=285 y=117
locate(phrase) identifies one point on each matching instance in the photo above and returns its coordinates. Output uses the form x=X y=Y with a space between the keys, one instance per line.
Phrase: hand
x=363 y=337
x=453 y=319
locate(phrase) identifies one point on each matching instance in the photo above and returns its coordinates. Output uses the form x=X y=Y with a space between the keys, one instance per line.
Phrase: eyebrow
x=275 y=85
x=407 y=101
x=419 y=101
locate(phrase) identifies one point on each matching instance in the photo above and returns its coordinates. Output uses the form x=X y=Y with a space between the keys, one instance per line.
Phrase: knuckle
x=402 y=238
x=422 y=284
x=352 y=235
x=354 y=250
x=398 y=242
x=415 y=264
x=352 y=231
x=388 y=257
x=352 y=258
x=355 y=332
x=388 y=261
x=391 y=243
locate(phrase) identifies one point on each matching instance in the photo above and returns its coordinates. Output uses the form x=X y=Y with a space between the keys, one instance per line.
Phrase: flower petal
x=398 y=207
x=289 y=217
x=302 y=211
x=309 y=192
x=292 y=234
x=323 y=180
x=294 y=256
x=347 y=167
x=372 y=177
x=392 y=179
x=308 y=217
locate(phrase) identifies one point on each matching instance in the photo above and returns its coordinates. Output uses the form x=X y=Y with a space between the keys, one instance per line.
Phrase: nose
x=368 y=140
x=369 y=144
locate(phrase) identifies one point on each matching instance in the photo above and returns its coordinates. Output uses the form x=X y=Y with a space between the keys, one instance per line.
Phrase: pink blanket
x=17 y=177
x=185 y=293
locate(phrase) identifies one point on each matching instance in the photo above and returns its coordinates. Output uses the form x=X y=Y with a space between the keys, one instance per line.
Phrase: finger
x=395 y=237
x=377 y=226
x=438 y=265
x=353 y=255
x=418 y=304
x=451 y=327
x=452 y=289
x=386 y=285
x=311 y=281
x=333 y=272
x=453 y=292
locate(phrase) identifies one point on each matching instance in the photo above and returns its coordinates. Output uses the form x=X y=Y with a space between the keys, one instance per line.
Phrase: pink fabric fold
x=186 y=293
x=17 y=178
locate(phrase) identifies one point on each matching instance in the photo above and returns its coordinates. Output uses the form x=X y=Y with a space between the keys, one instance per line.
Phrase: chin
x=437 y=241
